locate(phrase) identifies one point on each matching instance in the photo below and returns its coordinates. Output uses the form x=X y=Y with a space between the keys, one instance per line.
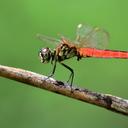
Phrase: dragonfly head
x=45 y=55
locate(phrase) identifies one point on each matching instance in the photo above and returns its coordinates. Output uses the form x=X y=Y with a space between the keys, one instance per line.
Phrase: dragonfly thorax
x=65 y=51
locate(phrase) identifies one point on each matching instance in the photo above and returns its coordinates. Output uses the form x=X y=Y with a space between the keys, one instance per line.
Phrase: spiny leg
x=72 y=73
x=53 y=70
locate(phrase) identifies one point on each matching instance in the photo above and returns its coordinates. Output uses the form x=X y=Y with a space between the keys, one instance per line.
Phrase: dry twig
x=107 y=101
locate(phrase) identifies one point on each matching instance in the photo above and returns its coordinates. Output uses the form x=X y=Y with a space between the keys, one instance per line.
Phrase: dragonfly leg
x=53 y=70
x=72 y=73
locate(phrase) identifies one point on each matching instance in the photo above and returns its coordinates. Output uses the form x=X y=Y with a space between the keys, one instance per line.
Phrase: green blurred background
x=23 y=106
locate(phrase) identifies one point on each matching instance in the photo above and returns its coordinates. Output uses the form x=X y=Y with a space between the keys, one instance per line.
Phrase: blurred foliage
x=23 y=106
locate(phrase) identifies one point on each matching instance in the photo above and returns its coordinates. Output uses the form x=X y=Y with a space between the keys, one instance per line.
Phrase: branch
x=112 y=103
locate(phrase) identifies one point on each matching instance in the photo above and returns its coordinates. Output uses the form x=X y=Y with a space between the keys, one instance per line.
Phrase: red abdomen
x=92 y=52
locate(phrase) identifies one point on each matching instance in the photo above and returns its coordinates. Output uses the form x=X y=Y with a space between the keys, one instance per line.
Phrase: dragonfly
x=90 y=42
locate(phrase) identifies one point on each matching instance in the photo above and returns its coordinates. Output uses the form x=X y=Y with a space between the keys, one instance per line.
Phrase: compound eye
x=45 y=55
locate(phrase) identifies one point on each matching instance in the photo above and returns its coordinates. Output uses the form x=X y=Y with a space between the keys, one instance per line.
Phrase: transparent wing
x=47 y=39
x=93 y=37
